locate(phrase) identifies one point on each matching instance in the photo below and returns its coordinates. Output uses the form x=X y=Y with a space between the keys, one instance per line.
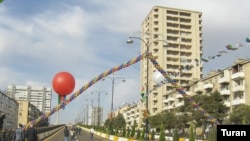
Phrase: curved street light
x=113 y=78
x=147 y=44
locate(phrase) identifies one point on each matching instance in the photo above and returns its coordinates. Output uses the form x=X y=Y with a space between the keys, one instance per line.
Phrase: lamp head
x=130 y=41
x=123 y=80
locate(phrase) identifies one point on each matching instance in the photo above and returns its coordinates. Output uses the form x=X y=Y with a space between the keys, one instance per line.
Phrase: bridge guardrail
x=42 y=132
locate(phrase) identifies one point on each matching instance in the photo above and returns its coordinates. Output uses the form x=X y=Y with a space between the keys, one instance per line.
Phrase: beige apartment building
x=182 y=29
x=27 y=112
x=231 y=82
x=130 y=112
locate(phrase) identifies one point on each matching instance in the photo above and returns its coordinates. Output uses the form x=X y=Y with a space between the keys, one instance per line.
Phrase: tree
x=213 y=104
x=166 y=118
x=128 y=132
x=153 y=135
x=212 y=134
x=119 y=121
x=133 y=129
x=162 y=134
x=138 y=135
x=142 y=135
x=176 y=135
x=241 y=114
x=124 y=131
x=107 y=122
x=191 y=133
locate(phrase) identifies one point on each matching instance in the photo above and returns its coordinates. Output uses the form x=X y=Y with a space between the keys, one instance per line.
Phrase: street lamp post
x=147 y=44
x=113 y=78
x=98 y=111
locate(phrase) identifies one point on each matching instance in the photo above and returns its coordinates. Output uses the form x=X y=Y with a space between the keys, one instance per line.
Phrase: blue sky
x=86 y=38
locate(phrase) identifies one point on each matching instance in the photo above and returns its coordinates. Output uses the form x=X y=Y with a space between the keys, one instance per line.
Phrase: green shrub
x=176 y=135
x=162 y=134
x=212 y=134
x=191 y=133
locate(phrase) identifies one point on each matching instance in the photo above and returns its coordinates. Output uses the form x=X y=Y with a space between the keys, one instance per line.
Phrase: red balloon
x=63 y=83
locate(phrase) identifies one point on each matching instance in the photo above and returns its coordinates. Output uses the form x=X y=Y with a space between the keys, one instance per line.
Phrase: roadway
x=84 y=136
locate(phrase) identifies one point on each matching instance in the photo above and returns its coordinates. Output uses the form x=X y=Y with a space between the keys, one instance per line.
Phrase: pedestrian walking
x=66 y=134
x=19 y=134
x=92 y=133
x=31 y=134
x=72 y=134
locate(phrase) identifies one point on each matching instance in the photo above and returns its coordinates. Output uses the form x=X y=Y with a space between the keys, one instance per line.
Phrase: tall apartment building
x=40 y=97
x=183 y=31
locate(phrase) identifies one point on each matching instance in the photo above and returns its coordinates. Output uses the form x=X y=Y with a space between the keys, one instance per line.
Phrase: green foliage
x=167 y=118
x=153 y=135
x=244 y=122
x=128 y=132
x=212 y=103
x=138 y=135
x=241 y=114
x=124 y=131
x=119 y=121
x=191 y=133
x=133 y=131
x=162 y=134
x=142 y=135
x=1 y=1
x=176 y=135
x=107 y=123
x=212 y=134
x=116 y=131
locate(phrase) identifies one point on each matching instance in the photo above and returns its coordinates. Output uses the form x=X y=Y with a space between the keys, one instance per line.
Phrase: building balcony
x=225 y=92
x=239 y=88
x=238 y=101
x=156 y=27
x=171 y=107
x=165 y=101
x=178 y=104
x=208 y=86
x=238 y=75
x=227 y=103
x=156 y=21
x=168 y=107
x=224 y=80
x=170 y=99
x=155 y=14
x=179 y=96
x=199 y=89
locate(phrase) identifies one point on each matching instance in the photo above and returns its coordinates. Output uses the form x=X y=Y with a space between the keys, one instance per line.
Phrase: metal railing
x=7 y=135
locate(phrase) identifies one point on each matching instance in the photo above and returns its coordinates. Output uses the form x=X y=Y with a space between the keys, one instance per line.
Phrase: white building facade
x=40 y=97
